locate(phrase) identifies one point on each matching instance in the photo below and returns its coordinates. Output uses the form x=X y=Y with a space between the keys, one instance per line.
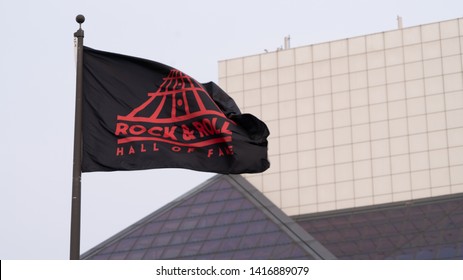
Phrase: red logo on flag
x=180 y=113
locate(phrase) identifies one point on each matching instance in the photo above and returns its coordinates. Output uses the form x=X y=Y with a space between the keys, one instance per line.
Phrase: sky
x=37 y=90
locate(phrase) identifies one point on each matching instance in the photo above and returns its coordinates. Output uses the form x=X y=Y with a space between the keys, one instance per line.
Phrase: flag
x=140 y=114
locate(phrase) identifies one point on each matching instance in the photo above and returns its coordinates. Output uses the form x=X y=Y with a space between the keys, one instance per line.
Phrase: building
x=223 y=218
x=366 y=143
x=361 y=121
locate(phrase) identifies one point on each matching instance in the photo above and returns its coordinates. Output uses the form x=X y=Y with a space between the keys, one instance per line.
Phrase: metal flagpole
x=77 y=163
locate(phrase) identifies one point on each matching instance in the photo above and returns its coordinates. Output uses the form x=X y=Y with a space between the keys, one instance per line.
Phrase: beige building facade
x=360 y=121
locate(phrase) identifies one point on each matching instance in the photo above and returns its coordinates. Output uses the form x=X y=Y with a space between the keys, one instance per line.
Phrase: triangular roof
x=223 y=218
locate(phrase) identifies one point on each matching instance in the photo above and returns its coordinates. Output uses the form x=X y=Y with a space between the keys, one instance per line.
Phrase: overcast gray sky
x=37 y=90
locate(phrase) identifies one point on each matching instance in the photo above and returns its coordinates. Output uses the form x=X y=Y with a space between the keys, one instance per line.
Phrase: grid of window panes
x=217 y=222
x=423 y=230
x=360 y=121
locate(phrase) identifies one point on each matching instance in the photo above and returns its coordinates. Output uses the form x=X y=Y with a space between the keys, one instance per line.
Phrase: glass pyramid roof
x=224 y=218
x=421 y=229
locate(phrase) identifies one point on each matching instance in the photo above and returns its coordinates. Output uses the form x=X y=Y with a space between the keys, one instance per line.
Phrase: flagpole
x=77 y=162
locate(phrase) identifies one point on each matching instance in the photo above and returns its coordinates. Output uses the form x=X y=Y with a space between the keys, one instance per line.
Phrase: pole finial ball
x=80 y=19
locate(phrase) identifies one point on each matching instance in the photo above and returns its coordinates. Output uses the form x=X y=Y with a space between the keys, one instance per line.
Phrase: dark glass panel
x=171 y=252
x=358 y=219
x=152 y=228
x=395 y=214
x=284 y=239
x=386 y=229
x=223 y=255
x=250 y=241
x=189 y=224
x=221 y=185
x=398 y=240
x=100 y=257
x=367 y=231
x=189 y=201
x=321 y=225
x=245 y=215
x=153 y=254
x=136 y=255
x=416 y=211
x=436 y=219
x=425 y=254
x=434 y=208
x=427 y=238
x=118 y=256
x=332 y=235
x=308 y=257
x=405 y=226
x=452 y=206
x=223 y=194
x=271 y=227
x=226 y=218
x=258 y=215
x=339 y=222
x=214 y=208
x=230 y=244
x=297 y=253
x=421 y=223
x=456 y=219
x=373 y=217
x=197 y=210
x=448 y=252
x=161 y=240
x=199 y=257
x=171 y=225
x=366 y=246
x=243 y=254
x=211 y=246
x=125 y=244
x=349 y=233
x=204 y=197
x=321 y=238
x=256 y=227
x=179 y=212
x=269 y=239
x=235 y=195
x=237 y=230
x=218 y=232
x=191 y=249
x=199 y=235
x=180 y=237
x=233 y=205
x=246 y=204
x=207 y=221
x=282 y=251
x=262 y=253
x=403 y=255
x=348 y=248
x=379 y=256
x=452 y=235
x=384 y=244
x=162 y=217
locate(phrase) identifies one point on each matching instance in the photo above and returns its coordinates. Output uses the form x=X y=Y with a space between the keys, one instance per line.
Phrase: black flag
x=140 y=114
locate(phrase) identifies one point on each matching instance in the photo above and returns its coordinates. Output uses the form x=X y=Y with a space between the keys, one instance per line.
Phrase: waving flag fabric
x=140 y=114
